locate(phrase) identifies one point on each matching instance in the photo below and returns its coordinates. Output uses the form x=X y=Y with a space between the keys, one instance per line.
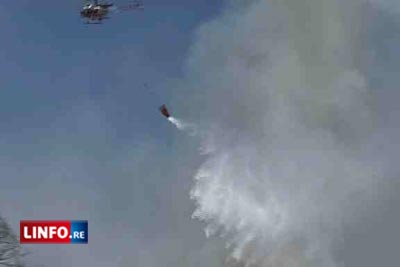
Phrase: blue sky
x=51 y=60
x=80 y=133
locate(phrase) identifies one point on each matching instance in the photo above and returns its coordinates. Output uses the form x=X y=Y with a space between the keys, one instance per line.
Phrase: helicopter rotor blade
x=133 y=6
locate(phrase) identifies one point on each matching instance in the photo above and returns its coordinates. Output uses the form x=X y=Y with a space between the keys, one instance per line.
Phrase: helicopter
x=95 y=12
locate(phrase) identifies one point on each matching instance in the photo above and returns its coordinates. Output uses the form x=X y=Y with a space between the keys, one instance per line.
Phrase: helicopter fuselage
x=95 y=12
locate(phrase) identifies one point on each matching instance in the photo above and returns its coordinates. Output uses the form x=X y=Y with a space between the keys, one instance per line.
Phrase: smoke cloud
x=286 y=112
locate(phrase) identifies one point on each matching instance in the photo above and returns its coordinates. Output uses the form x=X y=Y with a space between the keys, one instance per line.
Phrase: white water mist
x=289 y=114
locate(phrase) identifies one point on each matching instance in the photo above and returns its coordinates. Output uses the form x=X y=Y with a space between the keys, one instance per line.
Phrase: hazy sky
x=81 y=137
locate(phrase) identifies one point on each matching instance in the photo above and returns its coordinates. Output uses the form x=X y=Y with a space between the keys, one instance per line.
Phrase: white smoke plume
x=288 y=114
